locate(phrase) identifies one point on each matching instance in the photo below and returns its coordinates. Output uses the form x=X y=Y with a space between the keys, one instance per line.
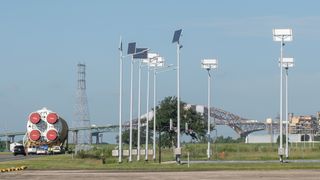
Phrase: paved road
x=205 y=175
x=11 y=157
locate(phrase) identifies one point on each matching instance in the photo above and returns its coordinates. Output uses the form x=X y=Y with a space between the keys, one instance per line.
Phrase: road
x=203 y=175
x=11 y=157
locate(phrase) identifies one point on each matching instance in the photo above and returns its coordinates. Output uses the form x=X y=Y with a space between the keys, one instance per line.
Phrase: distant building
x=301 y=129
x=303 y=125
x=267 y=138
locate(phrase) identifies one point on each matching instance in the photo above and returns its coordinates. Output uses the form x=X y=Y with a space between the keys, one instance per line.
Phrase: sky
x=41 y=43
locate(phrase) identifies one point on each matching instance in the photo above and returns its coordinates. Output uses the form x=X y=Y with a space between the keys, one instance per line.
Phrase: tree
x=167 y=110
x=222 y=139
x=126 y=137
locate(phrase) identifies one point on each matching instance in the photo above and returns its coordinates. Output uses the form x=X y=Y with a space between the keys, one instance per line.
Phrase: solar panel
x=131 y=48
x=141 y=53
x=176 y=36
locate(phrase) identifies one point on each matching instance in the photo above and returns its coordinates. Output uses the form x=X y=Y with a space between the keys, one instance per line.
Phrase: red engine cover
x=34 y=135
x=52 y=118
x=52 y=135
x=35 y=118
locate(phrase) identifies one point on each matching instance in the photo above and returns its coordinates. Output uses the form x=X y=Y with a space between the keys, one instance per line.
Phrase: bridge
x=241 y=126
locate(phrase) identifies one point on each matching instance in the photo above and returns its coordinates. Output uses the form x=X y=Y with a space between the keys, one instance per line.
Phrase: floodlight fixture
x=158 y=64
x=287 y=62
x=141 y=53
x=209 y=63
x=176 y=36
x=131 y=48
x=283 y=35
x=158 y=61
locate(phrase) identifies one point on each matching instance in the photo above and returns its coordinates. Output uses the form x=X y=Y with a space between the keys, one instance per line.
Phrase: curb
x=13 y=169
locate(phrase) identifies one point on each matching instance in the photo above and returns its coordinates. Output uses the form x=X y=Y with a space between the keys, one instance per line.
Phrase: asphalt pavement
x=11 y=157
x=203 y=175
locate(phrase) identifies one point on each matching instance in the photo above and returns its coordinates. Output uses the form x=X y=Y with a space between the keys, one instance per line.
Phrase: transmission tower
x=82 y=118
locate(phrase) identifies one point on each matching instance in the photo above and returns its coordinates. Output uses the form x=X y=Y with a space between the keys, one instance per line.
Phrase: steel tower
x=82 y=118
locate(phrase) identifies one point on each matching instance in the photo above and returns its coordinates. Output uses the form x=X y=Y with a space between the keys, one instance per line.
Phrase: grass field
x=238 y=151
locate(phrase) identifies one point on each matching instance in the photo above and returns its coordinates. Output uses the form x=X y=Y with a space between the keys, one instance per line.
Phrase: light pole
x=287 y=63
x=150 y=57
x=209 y=64
x=141 y=53
x=281 y=35
x=157 y=63
x=131 y=50
x=139 y=112
x=176 y=39
x=120 y=104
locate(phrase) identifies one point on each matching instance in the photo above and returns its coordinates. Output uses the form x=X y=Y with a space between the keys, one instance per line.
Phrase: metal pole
x=154 y=111
x=178 y=103
x=209 y=116
x=281 y=138
x=147 y=121
x=287 y=119
x=159 y=145
x=120 y=107
x=131 y=109
x=139 y=111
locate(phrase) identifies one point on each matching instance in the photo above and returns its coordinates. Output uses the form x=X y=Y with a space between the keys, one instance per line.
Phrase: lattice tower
x=82 y=118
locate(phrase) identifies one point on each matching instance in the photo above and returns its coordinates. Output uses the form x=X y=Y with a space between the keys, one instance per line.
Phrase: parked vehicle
x=42 y=150
x=56 y=149
x=32 y=150
x=19 y=149
x=12 y=145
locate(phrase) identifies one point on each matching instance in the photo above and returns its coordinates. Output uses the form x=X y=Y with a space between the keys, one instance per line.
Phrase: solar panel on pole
x=141 y=53
x=131 y=48
x=176 y=36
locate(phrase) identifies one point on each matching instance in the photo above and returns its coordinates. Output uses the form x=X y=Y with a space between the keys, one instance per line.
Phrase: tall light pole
x=281 y=35
x=120 y=104
x=209 y=64
x=287 y=63
x=157 y=63
x=139 y=112
x=150 y=57
x=131 y=50
x=176 y=39
x=141 y=53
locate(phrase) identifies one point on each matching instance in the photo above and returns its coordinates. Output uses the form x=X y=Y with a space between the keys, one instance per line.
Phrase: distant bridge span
x=240 y=125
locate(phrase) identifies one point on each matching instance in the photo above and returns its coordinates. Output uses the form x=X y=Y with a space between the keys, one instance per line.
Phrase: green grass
x=237 y=151
x=5 y=153
x=67 y=162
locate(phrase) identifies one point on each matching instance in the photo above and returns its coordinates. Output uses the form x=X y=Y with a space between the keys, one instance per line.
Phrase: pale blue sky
x=41 y=43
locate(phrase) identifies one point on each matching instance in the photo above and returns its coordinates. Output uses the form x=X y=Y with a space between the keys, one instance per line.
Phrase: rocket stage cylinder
x=46 y=127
